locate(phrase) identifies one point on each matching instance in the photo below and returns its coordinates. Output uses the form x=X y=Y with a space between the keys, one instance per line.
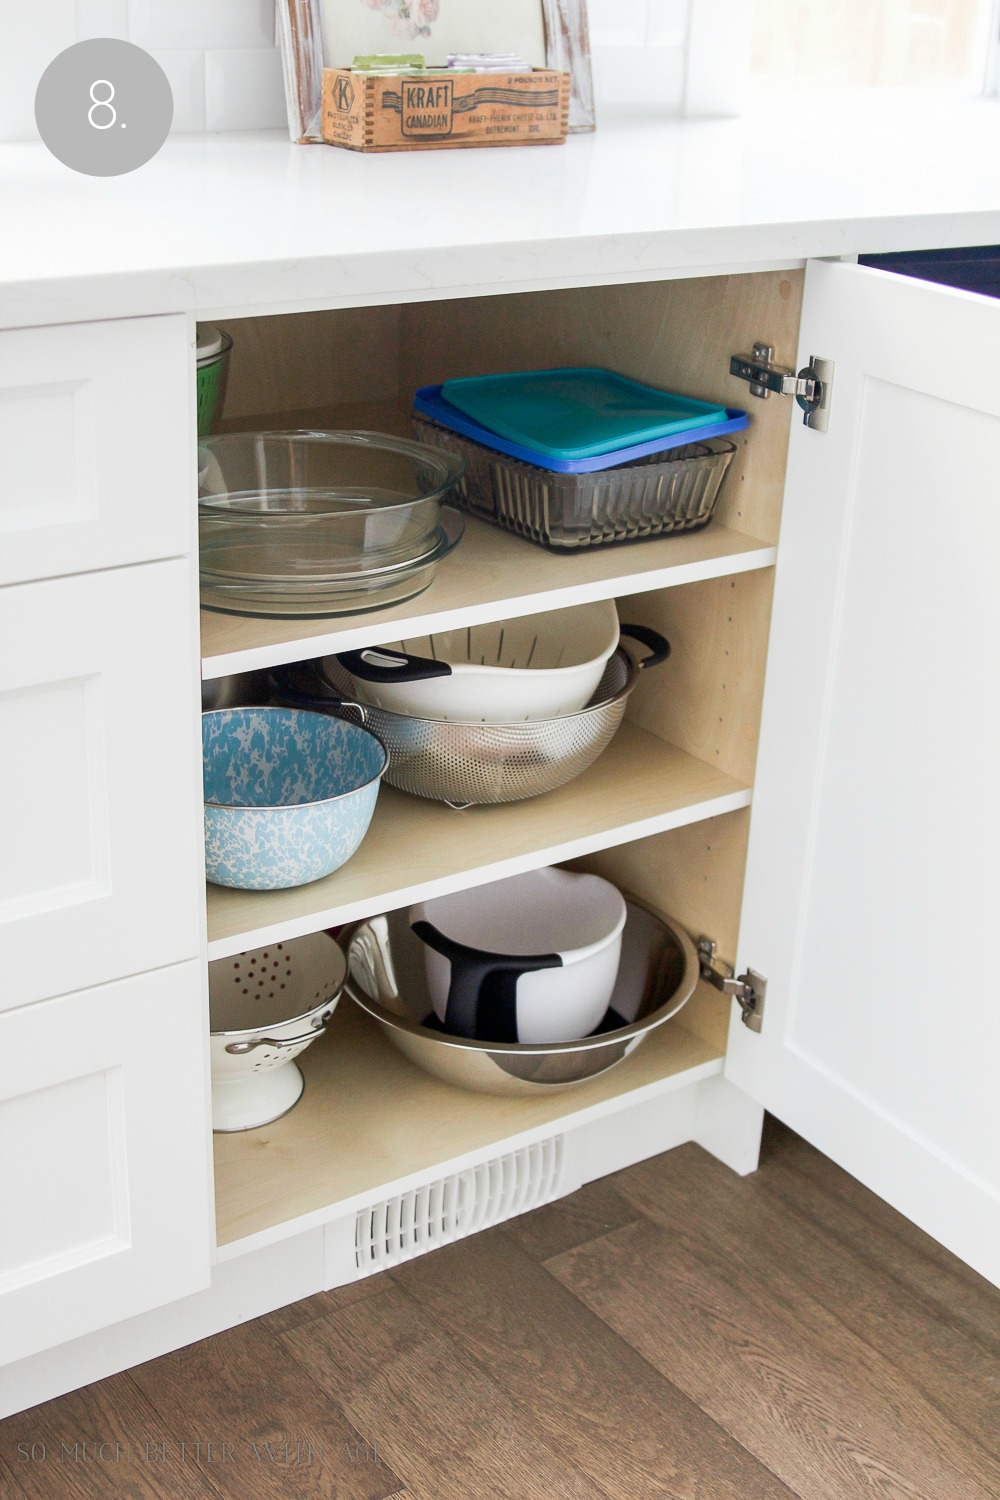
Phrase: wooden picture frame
x=301 y=35
x=567 y=48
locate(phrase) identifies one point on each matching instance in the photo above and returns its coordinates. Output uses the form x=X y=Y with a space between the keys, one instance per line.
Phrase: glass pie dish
x=315 y=523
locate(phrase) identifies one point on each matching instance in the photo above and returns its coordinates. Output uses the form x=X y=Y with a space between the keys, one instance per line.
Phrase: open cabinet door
x=872 y=902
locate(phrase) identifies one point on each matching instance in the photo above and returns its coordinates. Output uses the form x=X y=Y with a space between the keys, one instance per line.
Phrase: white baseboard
x=240 y=1290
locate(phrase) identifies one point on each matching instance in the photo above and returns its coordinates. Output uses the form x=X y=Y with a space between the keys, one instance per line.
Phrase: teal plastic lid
x=576 y=413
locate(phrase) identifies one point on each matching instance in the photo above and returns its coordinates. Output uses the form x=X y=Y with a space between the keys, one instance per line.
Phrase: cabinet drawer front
x=97 y=446
x=101 y=842
x=104 y=1150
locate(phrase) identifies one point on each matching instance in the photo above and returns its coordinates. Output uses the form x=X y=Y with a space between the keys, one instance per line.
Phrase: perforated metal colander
x=468 y=764
x=267 y=1006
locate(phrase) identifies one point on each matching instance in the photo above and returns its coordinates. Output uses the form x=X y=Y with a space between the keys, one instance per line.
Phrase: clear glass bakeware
x=674 y=491
x=290 y=511
x=225 y=587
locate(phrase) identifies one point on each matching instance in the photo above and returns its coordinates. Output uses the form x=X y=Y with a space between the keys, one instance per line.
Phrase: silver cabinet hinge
x=812 y=387
x=748 y=990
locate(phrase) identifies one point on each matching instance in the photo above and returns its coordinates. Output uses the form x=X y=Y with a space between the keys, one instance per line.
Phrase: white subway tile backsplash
x=95 y=18
x=33 y=34
x=161 y=24
x=639 y=80
x=244 y=89
x=185 y=70
x=666 y=25
x=617 y=23
x=220 y=56
x=224 y=65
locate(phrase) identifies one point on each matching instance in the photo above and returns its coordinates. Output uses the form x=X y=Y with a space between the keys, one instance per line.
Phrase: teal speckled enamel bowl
x=289 y=794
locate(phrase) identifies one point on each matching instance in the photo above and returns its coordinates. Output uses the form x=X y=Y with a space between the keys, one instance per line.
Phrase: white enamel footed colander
x=266 y=1006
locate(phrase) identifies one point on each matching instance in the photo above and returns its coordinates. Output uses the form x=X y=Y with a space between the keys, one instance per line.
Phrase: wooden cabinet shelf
x=492 y=575
x=369 y=1119
x=416 y=848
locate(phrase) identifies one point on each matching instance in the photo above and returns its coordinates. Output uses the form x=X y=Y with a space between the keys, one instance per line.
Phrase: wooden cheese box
x=414 y=112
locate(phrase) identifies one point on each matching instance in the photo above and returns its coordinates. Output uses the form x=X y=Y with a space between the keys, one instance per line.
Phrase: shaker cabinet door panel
x=104 y=1148
x=97 y=435
x=101 y=863
x=873 y=882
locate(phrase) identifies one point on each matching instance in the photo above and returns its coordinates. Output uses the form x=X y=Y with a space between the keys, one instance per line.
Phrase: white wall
x=219 y=55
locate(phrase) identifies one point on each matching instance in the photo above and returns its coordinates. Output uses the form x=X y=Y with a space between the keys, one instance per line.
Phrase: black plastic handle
x=482 y=992
x=317 y=696
x=376 y=664
x=658 y=644
x=300 y=686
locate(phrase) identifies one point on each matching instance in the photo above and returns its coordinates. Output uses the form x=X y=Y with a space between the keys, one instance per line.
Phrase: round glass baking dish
x=231 y=591
x=289 y=509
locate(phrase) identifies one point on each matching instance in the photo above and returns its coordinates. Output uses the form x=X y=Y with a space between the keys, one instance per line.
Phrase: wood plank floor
x=670 y=1331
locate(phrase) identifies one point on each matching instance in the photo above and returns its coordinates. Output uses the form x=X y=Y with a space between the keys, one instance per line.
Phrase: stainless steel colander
x=469 y=764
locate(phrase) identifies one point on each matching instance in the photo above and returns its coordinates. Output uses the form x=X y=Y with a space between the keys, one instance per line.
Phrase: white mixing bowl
x=533 y=958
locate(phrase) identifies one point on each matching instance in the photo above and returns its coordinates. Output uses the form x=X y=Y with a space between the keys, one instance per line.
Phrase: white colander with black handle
x=471 y=764
x=536 y=667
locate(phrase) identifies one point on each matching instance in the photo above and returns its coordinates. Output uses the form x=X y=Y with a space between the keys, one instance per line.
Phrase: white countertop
x=229 y=224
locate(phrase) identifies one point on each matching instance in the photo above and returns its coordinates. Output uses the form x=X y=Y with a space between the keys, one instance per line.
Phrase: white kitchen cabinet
x=101 y=856
x=103 y=1157
x=868 y=817
x=96 y=445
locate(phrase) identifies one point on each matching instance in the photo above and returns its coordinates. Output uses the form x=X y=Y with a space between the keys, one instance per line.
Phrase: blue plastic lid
x=576 y=413
x=431 y=403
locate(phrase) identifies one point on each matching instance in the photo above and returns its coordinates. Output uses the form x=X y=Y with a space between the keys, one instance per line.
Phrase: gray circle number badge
x=104 y=107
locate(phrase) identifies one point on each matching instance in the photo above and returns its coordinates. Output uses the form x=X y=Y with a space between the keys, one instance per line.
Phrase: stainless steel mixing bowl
x=385 y=963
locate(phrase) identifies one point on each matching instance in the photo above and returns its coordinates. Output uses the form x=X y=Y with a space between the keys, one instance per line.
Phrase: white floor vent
x=400 y=1228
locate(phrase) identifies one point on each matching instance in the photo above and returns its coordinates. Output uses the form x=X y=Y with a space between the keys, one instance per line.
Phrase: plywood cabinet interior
x=675 y=334
x=664 y=811
x=360 y=364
